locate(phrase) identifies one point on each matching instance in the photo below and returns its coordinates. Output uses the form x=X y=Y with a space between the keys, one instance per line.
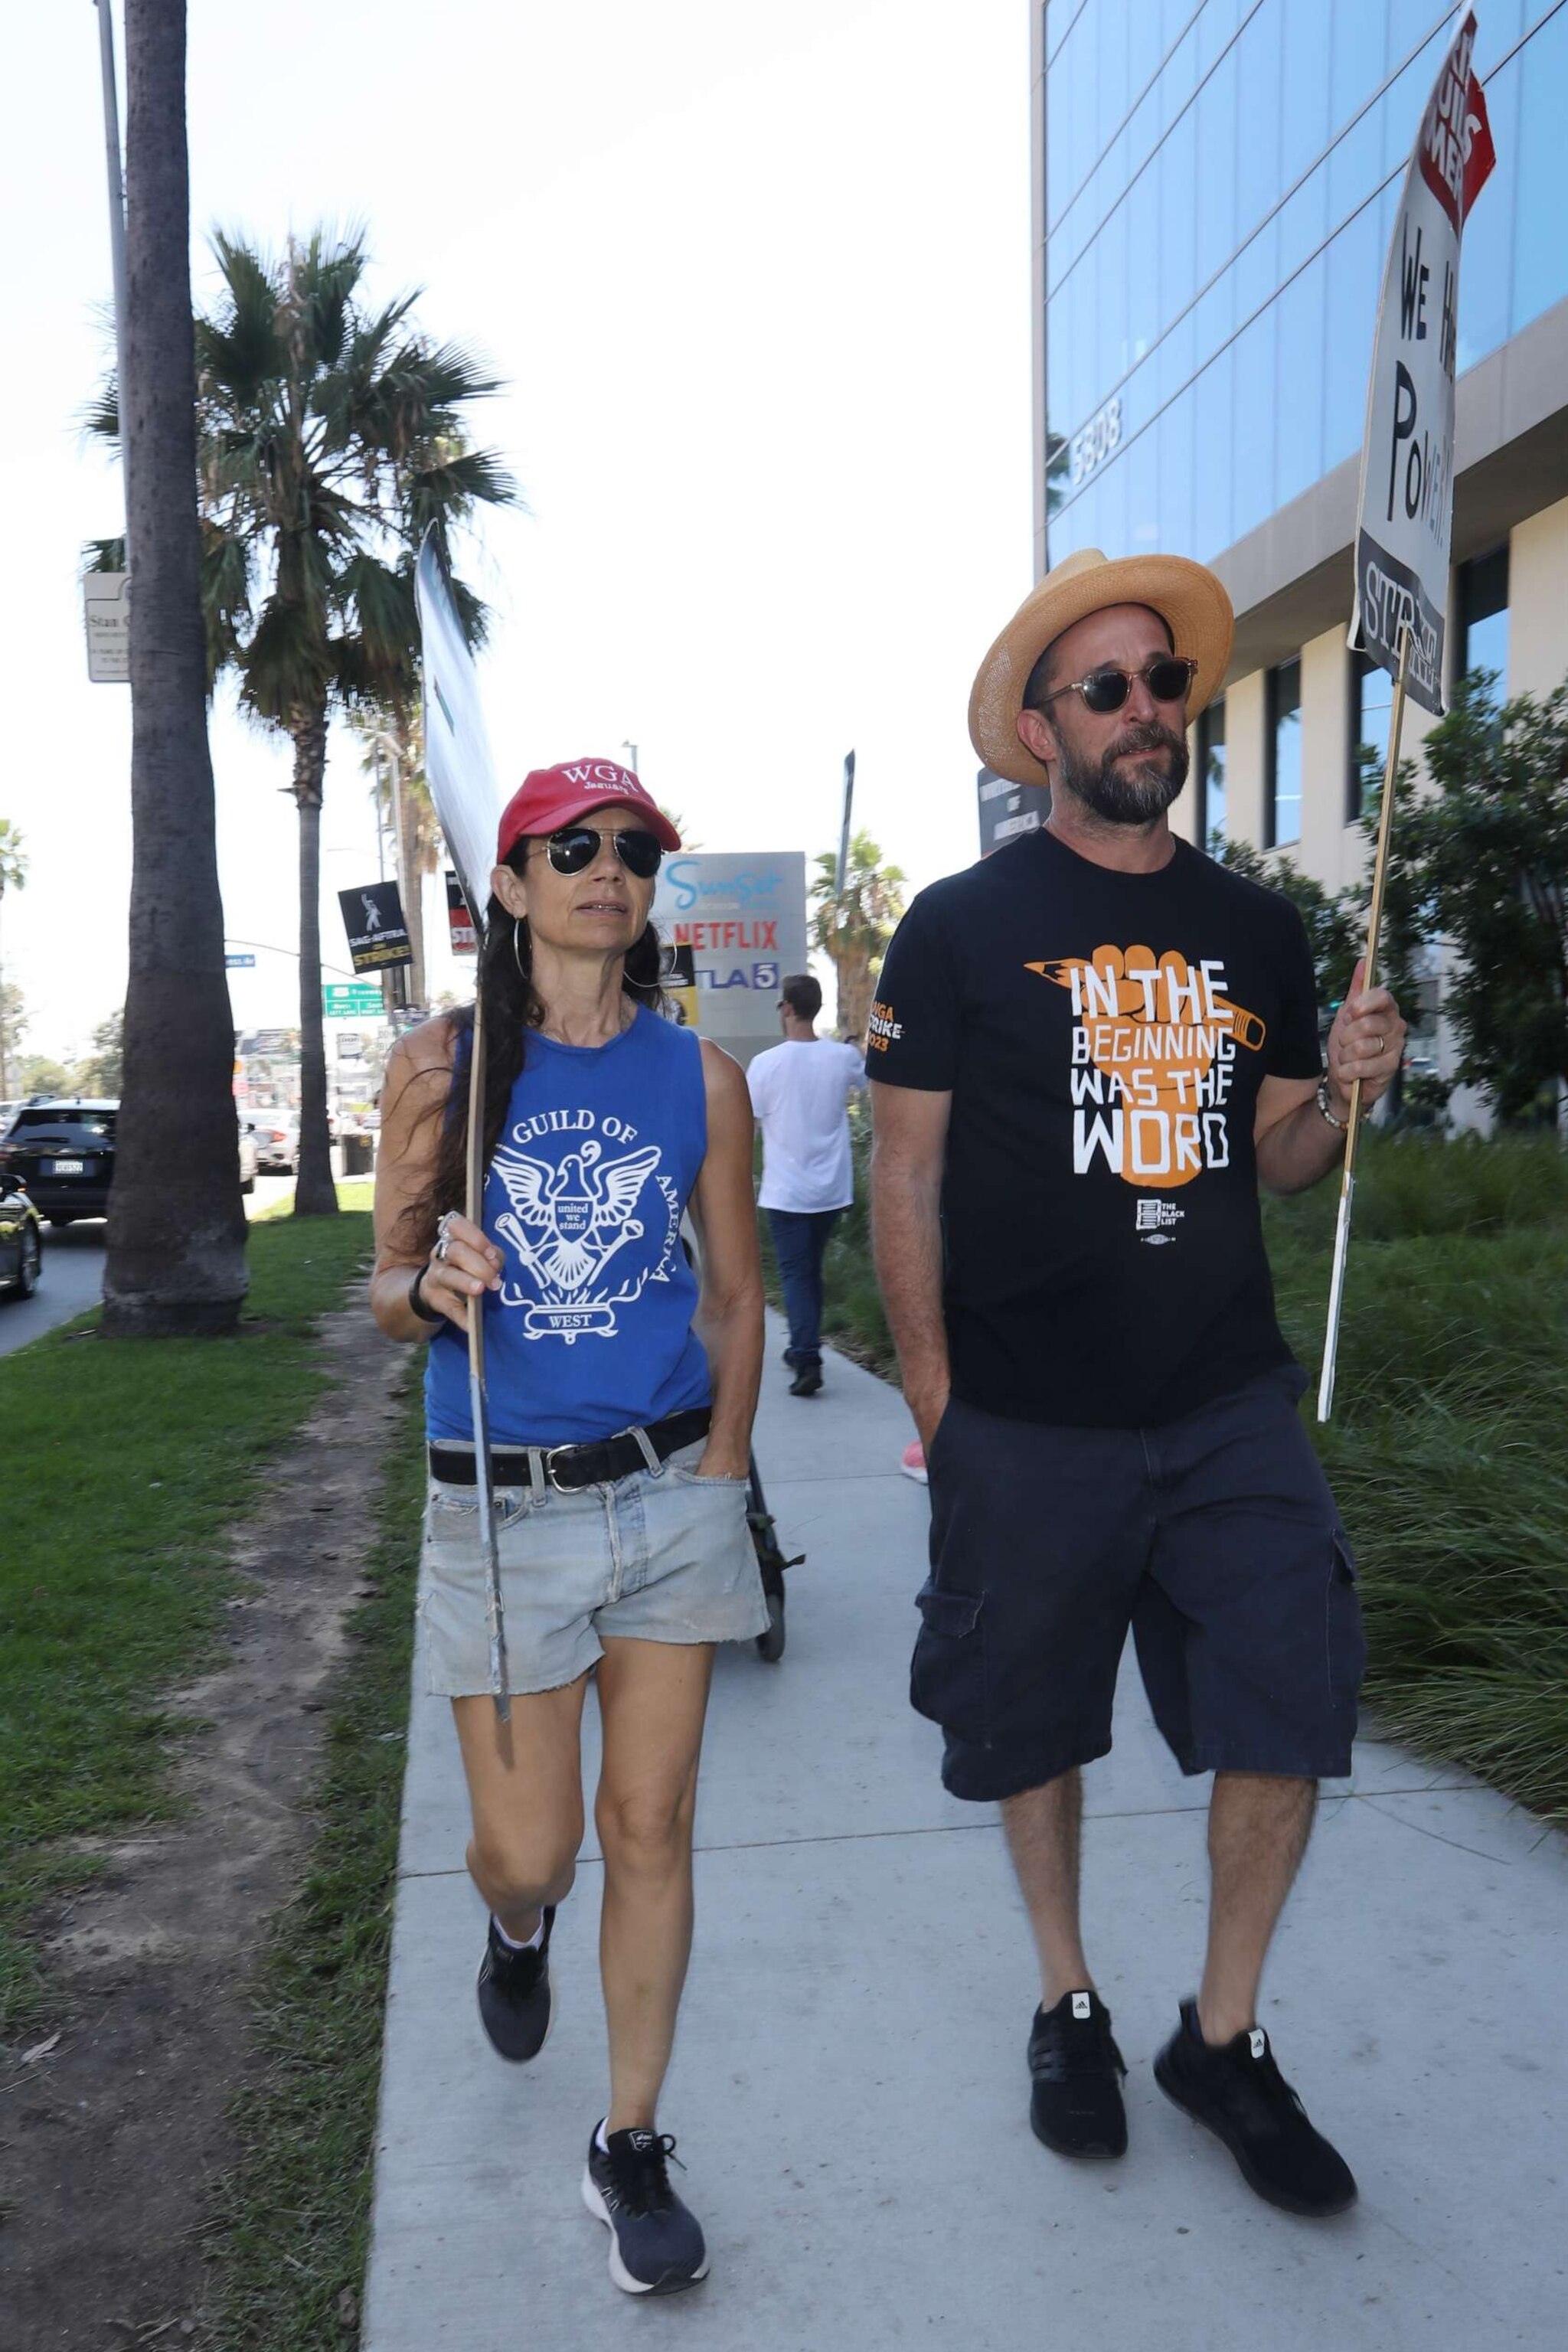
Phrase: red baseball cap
x=549 y=798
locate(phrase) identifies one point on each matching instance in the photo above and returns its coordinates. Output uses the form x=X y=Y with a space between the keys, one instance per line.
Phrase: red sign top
x=1455 y=149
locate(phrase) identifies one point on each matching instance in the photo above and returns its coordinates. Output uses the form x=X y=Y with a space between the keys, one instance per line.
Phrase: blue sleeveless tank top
x=591 y=1329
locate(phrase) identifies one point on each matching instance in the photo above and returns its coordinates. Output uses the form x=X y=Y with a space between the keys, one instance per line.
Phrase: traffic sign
x=241 y=962
x=350 y=1004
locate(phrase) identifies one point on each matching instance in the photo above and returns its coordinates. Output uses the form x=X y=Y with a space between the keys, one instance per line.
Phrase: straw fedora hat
x=1189 y=598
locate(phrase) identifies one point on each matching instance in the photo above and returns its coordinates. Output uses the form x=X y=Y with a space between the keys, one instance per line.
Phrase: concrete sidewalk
x=849 y=2088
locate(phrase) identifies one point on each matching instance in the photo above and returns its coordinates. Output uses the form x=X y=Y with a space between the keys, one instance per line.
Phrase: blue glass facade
x=1221 y=178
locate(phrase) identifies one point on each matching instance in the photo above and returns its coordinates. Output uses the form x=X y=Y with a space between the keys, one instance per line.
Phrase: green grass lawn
x=125 y=1467
x=1447 y=1449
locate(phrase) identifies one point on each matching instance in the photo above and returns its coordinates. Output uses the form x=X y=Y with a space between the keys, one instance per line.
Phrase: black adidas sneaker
x=657 y=2245
x=1076 y=2074
x=1237 y=2091
x=515 y=1998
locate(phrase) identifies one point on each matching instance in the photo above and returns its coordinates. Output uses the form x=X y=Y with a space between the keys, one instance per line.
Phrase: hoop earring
x=517 y=923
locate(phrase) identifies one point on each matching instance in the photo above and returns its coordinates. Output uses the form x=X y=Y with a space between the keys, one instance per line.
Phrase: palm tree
x=175 y=1263
x=13 y=877
x=854 y=926
x=331 y=436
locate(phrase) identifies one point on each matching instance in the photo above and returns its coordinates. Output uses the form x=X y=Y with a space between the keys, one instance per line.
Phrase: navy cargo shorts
x=1215 y=1538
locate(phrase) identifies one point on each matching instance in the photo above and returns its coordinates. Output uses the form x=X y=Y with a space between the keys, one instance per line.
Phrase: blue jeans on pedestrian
x=800 y=1242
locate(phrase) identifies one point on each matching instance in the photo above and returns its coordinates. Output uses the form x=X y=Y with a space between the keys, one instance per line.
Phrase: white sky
x=759 y=281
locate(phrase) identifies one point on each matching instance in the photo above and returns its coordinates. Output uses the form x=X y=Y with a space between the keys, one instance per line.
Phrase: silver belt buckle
x=550 y=1461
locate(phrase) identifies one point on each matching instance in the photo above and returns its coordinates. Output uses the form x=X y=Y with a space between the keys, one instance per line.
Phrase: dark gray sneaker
x=655 y=2244
x=516 y=2001
x=1238 y=2092
x=1076 y=2074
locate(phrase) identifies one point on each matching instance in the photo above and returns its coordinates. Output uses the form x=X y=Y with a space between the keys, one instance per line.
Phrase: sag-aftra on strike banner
x=1405 y=516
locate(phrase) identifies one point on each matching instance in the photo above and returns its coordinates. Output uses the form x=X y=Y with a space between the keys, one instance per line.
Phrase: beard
x=1140 y=799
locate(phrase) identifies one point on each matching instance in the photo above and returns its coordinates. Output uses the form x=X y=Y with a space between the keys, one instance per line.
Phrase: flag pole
x=474 y=1202
x=1369 y=980
x=460 y=774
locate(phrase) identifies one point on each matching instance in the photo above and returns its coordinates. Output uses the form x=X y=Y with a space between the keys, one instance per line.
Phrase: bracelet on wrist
x=431 y=1314
x=1342 y=1124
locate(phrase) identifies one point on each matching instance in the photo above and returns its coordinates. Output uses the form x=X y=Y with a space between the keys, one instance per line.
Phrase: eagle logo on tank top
x=576 y=1225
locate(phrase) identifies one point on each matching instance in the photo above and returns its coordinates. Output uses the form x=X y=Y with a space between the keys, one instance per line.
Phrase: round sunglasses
x=574 y=848
x=1168 y=678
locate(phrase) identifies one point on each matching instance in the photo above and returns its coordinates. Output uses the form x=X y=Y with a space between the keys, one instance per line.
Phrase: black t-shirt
x=1103 y=1037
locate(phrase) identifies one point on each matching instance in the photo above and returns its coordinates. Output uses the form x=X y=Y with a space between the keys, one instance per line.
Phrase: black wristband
x=425 y=1314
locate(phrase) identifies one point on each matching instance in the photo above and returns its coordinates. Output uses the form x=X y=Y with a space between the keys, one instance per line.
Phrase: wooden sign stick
x=1369 y=980
x=474 y=1205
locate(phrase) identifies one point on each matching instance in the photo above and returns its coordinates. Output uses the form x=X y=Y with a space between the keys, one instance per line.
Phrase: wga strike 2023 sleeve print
x=1104 y=1036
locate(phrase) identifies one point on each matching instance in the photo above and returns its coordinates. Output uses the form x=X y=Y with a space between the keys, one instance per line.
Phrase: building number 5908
x=1095 y=444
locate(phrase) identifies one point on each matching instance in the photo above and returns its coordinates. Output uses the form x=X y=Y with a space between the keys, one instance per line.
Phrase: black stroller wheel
x=771 y=1644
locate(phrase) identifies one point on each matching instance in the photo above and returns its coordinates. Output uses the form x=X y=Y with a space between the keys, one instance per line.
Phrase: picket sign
x=1404 y=516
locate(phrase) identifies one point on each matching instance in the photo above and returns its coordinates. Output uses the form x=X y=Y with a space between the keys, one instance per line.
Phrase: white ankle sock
x=534 y=1942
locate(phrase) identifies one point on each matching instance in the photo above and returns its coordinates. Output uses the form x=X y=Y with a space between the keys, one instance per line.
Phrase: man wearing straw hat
x=1087 y=1052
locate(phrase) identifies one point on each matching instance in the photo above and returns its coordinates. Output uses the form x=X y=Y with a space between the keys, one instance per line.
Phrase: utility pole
x=382 y=745
x=116 y=232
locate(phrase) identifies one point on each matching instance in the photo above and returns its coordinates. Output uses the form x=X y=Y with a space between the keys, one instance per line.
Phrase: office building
x=1215 y=183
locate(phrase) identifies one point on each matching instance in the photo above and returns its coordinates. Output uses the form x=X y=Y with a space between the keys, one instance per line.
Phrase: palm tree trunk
x=413 y=893
x=175 y=1263
x=315 y=1194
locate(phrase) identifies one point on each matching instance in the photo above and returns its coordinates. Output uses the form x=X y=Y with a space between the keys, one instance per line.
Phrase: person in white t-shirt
x=800 y=1093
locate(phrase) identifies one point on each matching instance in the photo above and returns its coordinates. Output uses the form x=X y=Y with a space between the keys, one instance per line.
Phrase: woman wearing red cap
x=621 y=1399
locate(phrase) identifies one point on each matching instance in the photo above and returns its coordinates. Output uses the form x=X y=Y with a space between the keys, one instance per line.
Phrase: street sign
x=377 y=934
x=351 y=1045
x=350 y=1004
x=1007 y=809
x=241 y=962
x=106 y=609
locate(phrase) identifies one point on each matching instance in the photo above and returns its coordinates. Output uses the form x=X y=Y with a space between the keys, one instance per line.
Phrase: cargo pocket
x=1344 y=1637
x=947 y=1673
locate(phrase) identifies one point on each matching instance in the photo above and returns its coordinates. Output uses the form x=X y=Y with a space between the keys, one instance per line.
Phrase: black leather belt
x=569 y=1468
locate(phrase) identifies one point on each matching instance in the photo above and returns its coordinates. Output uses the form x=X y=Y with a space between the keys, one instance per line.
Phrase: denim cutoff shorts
x=658 y=1556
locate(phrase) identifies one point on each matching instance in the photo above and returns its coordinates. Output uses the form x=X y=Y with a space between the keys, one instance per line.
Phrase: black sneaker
x=807 y=1379
x=1075 y=2105
x=1236 y=2089
x=515 y=1998
x=656 y=2243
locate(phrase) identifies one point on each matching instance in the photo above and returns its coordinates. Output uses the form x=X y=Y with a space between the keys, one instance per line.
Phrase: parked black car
x=21 y=1239
x=63 y=1155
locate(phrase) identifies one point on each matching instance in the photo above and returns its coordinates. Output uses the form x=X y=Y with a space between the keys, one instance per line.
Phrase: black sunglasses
x=1168 y=678
x=574 y=849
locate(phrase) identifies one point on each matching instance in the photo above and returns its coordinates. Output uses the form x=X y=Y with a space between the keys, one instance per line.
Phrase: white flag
x=458 y=768
x=1404 y=516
